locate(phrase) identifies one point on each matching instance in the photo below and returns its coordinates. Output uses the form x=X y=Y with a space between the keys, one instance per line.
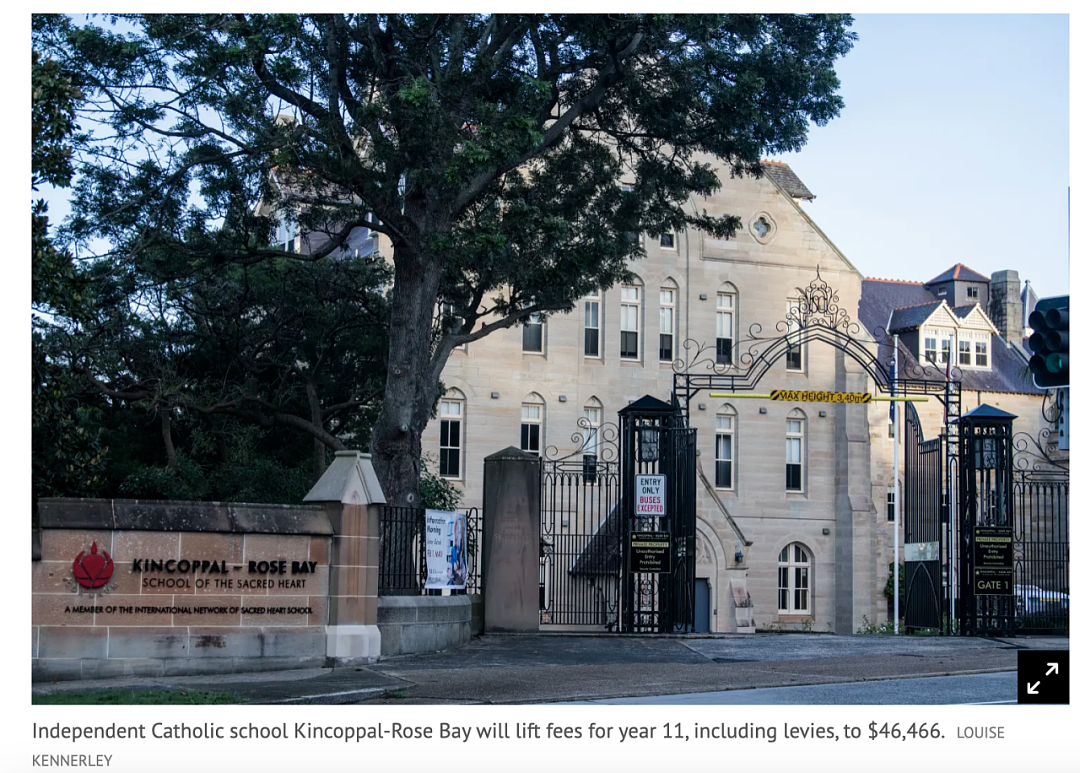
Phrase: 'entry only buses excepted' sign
x=649 y=499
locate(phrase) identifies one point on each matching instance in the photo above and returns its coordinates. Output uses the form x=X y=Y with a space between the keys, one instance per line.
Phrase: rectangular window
x=667 y=241
x=946 y=351
x=286 y=236
x=802 y=588
x=794 y=455
x=725 y=327
x=531 y=421
x=725 y=442
x=667 y=325
x=964 y=352
x=592 y=325
x=981 y=358
x=890 y=504
x=450 y=438
x=532 y=334
x=930 y=349
x=973 y=292
x=794 y=353
x=629 y=315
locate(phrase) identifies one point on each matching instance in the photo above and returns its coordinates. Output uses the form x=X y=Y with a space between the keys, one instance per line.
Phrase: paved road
x=549 y=668
x=942 y=690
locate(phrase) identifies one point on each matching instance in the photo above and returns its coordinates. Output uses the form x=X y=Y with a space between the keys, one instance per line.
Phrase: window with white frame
x=451 y=419
x=667 y=241
x=930 y=346
x=725 y=452
x=725 y=327
x=793 y=580
x=982 y=350
x=794 y=453
x=286 y=236
x=668 y=297
x=973 y=292
x=532 y=421
x=795 y=354
x=946 y=350
x=532 y=334
x=629 y=322
x=890 y=504
x=963 y=351
x=592 y=325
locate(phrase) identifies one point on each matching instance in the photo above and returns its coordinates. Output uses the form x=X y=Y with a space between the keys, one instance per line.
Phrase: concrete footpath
x=540 y=668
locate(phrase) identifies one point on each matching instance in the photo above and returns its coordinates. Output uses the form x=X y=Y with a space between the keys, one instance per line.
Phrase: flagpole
x=896 y=494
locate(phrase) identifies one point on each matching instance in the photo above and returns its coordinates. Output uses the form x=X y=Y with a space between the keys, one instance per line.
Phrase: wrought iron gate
x=1041 y=531
x=580 y=540
x=925 y=512
x=591 y=534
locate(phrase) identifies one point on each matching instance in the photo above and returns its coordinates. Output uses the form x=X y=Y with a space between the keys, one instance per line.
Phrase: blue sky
x=953 y=147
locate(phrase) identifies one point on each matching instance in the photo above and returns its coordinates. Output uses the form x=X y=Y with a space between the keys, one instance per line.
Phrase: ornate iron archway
x=818 y=316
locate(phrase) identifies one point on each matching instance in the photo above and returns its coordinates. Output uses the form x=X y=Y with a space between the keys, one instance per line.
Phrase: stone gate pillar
x=510 y=559
x=353 y=499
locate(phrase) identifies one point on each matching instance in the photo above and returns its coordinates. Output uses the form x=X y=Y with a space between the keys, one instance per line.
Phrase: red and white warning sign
x=650 y=497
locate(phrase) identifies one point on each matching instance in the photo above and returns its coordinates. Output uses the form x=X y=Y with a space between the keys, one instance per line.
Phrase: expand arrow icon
x=1053 y=669
x=1032 y=688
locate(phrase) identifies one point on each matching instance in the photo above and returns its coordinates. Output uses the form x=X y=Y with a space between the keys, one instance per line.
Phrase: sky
x=952 y=147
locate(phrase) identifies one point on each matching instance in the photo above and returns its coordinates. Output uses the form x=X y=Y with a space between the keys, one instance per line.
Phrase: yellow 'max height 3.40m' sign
x=809 y=396
x=814 y=396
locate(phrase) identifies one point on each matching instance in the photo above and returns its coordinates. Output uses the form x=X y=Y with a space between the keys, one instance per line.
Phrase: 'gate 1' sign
x=993 y=561
x=650 y=495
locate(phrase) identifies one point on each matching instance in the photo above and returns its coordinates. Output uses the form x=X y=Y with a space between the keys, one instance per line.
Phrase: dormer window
x=973 y=292
x=982 y=355
x=930 y=349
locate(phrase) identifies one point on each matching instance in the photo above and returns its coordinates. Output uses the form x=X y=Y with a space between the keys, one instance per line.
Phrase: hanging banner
x=447 y=562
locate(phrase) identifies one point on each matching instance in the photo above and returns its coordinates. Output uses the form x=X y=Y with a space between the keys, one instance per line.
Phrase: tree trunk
x=166 y=436
x=318 y=448
x=411 y=387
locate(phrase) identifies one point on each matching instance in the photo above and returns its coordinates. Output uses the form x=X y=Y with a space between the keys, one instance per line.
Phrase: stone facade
x=778 y=251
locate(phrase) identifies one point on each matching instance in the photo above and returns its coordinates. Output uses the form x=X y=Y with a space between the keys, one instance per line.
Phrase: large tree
x=508 y=158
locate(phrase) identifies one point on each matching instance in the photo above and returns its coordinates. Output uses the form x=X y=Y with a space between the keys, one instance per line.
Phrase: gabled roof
x=782 y=175
x=884 y=298
x=910 y=317
x=961 y=272
x=963 y=311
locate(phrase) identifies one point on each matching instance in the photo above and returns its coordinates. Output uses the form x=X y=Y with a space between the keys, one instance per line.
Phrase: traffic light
x=1050 y=342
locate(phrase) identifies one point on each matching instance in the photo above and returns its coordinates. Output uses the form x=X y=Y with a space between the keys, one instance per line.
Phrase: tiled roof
x=963 y=311
x=909 y=317
x=782 y=175
x=880 y=298
x=961 y=272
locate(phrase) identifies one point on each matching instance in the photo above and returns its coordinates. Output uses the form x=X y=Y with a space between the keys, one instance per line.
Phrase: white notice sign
x=650 y=497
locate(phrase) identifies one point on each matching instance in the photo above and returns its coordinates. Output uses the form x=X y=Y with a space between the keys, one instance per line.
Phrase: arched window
x=630 y=321
x=793 y=580
x=724 y=477
x=669 y=303
x=451 y=434
x=795 y=452
x=532 y=423
x=726 y=306
x=593 y=316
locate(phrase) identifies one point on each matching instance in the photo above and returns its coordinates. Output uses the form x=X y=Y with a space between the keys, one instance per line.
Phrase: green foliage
x=491 y=149
x=437 y=493
x=888 y=591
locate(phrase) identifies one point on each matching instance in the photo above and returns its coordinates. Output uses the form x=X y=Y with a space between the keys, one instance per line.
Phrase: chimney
x=1006 y=309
